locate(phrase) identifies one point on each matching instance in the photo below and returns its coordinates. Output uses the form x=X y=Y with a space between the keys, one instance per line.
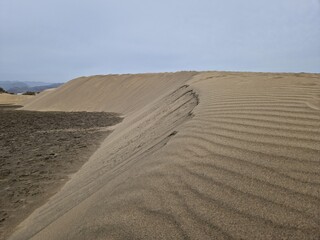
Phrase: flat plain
x=39 y=151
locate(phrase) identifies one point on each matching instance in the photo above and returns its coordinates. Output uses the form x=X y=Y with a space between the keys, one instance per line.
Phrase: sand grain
x=211 y=155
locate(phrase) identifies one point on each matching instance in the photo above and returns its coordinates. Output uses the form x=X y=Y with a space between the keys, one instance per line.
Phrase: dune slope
x=6 y=98
x=209 y=155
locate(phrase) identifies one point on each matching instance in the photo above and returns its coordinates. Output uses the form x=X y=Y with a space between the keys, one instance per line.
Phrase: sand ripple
x=221 y=156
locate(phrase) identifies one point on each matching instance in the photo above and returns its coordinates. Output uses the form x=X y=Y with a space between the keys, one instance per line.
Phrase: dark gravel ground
x=38 y=152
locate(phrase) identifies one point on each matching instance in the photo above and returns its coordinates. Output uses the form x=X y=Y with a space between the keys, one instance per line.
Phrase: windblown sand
x=210 y=155
x=6 y=98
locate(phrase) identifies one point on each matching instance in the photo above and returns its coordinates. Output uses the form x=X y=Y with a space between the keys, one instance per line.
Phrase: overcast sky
x=57 y=40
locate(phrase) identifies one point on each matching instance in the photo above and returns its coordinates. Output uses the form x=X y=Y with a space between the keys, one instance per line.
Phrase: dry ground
x=39 y=150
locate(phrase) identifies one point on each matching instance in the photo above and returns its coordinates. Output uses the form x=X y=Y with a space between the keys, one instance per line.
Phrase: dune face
x=6 y=98
x=209 y=155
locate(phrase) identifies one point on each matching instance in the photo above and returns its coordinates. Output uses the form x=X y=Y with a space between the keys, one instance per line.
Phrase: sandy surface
x=39 y=151
x=211 y=155
x=14 y=99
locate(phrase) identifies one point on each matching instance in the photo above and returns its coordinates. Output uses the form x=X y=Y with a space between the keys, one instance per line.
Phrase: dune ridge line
x=199 y=155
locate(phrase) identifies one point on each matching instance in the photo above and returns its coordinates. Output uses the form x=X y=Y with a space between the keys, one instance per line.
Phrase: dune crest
x=210 y=155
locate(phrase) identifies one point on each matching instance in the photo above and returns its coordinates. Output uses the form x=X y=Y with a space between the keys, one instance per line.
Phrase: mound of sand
x=6 y=98
x=209 y=155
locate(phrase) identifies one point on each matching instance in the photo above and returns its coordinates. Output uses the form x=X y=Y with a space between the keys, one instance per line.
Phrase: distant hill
x=21 y=87
x=2 y=90
x=34 y=84
x=44 y=87
x=6 y=85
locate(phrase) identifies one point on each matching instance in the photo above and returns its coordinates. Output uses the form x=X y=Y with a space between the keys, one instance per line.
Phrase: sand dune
x=14 y=99
x=210 y=155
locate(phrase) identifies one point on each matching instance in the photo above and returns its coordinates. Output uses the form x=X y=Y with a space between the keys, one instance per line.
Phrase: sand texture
x=39 y=151
x=6 y=98
x=210 y=155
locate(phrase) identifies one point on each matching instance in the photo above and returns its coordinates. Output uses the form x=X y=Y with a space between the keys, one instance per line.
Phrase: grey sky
x=57 y=40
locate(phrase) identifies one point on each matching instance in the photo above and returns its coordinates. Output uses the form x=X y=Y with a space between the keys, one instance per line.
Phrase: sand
x=6 y=98
x=209 y=155
x=39 y=151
